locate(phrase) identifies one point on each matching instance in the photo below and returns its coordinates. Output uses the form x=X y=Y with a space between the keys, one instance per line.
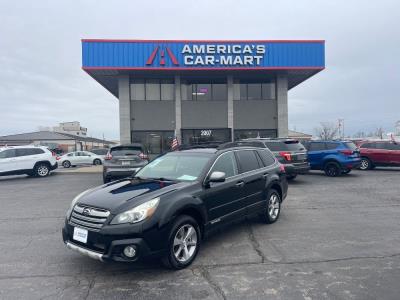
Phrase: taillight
x=286 y=155
x=58 y=158
x=282 y=168
x=346 y=151
x=108 y=156
x=143 y=156
x=53 y=153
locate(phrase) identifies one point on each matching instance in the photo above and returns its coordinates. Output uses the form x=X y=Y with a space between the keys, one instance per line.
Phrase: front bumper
x=104 y=247
x=120 y=172
x=55 y=166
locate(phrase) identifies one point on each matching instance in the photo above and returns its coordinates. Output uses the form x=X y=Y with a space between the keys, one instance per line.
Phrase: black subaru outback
x=171 y=204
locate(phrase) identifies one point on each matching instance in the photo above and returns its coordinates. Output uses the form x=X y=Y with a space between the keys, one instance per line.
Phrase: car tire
x=291 y=177
x=183 y=243
x=273 y=208
x=66 y=164
x=41 y=170
x=97 y=162
x=332 y=169
x=365 y=164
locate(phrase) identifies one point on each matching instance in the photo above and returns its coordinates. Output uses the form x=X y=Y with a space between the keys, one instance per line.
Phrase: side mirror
x=217 y=176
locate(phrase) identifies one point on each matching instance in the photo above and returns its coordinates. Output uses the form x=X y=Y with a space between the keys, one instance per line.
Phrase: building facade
x=74 y=128
x=201 y=91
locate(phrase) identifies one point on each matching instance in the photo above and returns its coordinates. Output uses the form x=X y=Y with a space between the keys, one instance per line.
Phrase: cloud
x=41 y=82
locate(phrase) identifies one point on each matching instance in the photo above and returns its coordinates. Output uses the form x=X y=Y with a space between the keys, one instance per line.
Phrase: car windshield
x=351 y=145
x=126 y=151
x=176 y=166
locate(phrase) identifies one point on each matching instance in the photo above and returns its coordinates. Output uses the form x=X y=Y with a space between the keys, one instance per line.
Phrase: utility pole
x=341 y=128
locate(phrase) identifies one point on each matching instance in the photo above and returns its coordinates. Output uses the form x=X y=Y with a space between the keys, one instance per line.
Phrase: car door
x=382 y=153
x=252 y=176
x=8 y=161
x=27 y=157
x=79 y=158
x=316 y=153
x=396 y=153
x=87 y=157
x=222 y=198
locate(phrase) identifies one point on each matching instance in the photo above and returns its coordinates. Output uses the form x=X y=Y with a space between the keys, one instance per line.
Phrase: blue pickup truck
x=333 y=157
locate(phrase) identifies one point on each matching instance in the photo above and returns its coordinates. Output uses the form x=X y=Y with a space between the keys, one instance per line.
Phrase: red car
x=379 y=153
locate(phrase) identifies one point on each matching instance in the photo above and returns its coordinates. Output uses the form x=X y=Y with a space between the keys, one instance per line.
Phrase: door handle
x=240 y=184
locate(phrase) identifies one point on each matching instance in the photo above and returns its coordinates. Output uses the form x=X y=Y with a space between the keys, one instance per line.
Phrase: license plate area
x=126 y=163
x=80 y=235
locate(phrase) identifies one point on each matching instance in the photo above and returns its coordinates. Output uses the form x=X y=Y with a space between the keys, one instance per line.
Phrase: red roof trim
x=200 y=41
x=201 y=68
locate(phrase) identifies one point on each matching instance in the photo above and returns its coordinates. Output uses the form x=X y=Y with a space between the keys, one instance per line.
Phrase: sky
x=42 y=83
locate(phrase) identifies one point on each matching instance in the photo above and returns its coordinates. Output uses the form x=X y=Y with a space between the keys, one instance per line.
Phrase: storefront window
x=152 y=89
x=254 y=133
x=204 y=136
x=195 y=91
x=156 y=142
x=244 y=90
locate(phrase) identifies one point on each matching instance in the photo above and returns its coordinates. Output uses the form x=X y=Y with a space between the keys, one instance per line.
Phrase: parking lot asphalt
x=337 y=238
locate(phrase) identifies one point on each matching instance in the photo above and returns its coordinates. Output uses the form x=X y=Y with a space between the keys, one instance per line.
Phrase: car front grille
x=90 y=218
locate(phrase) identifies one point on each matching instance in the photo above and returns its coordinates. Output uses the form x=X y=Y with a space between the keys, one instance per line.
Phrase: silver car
x=79 y=158
x=124 y=161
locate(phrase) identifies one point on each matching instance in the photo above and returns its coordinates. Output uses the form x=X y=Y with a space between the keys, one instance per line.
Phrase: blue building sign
x=202 y=55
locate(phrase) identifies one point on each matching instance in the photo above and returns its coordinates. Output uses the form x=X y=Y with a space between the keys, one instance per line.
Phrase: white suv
x=31 y=160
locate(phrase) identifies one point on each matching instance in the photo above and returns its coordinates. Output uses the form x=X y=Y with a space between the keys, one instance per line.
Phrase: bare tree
x=379 y=132
x=326 y=131
x=360 y=134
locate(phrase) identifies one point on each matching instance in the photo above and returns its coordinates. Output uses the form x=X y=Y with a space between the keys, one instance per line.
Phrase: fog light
x=130 y=251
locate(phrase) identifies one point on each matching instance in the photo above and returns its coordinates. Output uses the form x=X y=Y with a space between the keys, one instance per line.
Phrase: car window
x=247 y=160
x=176 y=166
x=87 y=153
x=380 y=145
x=226 y=163
x=267 y=158
x=392 y=146
x=125 y=151
x=368 y=146
x=317 y=147
x=331 y=146
x=293 y=145
x=8 y=153
x=275 y=146
x=100 y=151
x=28 y=151
x=395 y=146
x=350 y=145
x=71 y=154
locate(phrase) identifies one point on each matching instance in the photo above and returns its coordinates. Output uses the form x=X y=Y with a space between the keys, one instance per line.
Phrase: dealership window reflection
x=156 y=142
x=152 y=89
x=252 y=90
x=204 y=91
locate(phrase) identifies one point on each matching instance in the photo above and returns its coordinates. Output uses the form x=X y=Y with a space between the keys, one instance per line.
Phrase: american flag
x=175 y=142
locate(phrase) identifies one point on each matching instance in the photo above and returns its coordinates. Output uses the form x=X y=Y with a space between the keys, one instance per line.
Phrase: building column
x=230 y=104
x=178 y=108
x=124 y=110
x=282 y=105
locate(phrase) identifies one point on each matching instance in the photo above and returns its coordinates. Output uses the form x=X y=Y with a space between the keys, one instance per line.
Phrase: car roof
x=268 y=139
x=128 y=145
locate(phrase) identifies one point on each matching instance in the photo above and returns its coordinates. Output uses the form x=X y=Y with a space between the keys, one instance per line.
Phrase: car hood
x=127 y=193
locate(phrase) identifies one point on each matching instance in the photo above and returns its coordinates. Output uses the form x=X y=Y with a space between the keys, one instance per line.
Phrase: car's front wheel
x=365 y=164
x=183 y=243
x=66 y=164
x=41 y=170
x=97 y=162
x=273 y=209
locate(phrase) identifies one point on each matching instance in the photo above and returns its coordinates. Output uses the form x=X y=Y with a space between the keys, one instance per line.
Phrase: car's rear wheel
x=183 y=243
x=332 y=169
x=66 y=164
x=97 y=162
x=365 y=164
x=41 y=170
x=273 y=209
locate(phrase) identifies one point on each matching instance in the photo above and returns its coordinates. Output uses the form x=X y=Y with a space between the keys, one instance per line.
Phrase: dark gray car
x=124 y=161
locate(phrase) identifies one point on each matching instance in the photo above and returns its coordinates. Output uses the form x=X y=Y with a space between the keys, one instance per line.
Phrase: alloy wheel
x=185 y=243
x=273 y=206
x=364 y=165
x=43 y=170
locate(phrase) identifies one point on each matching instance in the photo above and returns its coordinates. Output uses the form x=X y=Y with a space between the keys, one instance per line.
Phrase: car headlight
x=69 y=211
x=138 y=213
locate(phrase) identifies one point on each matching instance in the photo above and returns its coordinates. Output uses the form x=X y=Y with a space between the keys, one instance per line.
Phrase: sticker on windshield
x=187 y=177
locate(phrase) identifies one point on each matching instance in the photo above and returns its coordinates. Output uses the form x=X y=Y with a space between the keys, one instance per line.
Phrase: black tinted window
x=331 y=146
x=380 y=146
x=392 y=146
x=100 y=151
x=316 y=147
x=275 y=146
x=351 y=145
x=266 y=157
x=368 y=146
x=29 y=151
x=293 y=146
x=226 y=163
x=126 y=151
x=8 y=153
x=247 y=160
